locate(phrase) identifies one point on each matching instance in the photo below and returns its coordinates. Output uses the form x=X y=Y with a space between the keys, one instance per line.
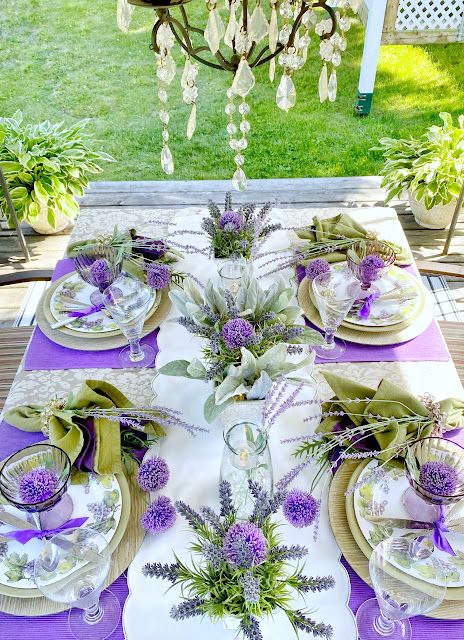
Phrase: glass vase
x=246 y=457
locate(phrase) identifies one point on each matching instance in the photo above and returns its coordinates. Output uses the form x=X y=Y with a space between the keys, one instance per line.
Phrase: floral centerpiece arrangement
x=246 y=338
x=241 y=570
x=237 y=233
x=149 y=259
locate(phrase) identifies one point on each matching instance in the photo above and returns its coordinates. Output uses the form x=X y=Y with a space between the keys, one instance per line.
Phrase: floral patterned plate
x=73 y=289
x=400 y=299
x=380 y=496
x=98 y=497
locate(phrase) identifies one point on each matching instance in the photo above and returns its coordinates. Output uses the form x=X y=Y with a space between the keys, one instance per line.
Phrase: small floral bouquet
x=247 y=338
x=241 y=569
x=149 y=259
x=237 y=233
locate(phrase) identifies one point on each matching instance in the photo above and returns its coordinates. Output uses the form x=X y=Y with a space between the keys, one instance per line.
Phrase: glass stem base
x=97 y=622
x=418 y=508
x=373 y=625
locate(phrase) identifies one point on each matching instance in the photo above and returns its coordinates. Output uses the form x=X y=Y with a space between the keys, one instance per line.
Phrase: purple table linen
x=429 y=345
x=43 y=353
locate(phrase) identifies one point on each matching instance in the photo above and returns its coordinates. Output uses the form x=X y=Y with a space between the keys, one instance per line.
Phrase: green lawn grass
x=66 y=60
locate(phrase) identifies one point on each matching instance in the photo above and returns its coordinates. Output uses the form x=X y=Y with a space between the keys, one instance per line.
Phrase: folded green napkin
x=64 y=422
x=343 y=226
x=409 y=418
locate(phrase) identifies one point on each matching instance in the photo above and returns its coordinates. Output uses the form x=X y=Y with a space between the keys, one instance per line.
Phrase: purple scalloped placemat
x=44 y=354
x=429 y=345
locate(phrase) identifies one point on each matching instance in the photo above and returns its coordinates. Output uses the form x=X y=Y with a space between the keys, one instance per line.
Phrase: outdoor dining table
x=420 y=365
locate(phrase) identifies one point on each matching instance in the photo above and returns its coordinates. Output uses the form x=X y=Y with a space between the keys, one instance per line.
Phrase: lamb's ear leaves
x=176 y=368
x=211 y=410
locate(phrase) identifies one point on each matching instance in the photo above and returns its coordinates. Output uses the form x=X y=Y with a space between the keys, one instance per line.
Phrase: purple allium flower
x=300 y=508
x=237 y=333
x=438 y=477
x=102 y=274
x=316 y=267
x=370 y=266
x=230 y=221
x=245 y=545
x=153 y=474
x=37 y=485
x=159 y=517
x=158 y=276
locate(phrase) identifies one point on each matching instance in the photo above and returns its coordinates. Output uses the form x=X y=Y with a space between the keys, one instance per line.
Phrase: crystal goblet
x=367 y=274
x=435 y=471
x=99 y=266
x=333 y=301
x=127 y=300
x=399 y=596
x=35 y=480
x=72 y=568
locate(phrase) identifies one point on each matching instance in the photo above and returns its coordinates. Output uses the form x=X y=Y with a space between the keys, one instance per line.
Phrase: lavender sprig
x=213 y=519
x=251 y=587
x=283 y=553
x=225 y=497
x=187 y=609
x=250 y=627
x=194 y=519
x=305 y=584
x=167 y=572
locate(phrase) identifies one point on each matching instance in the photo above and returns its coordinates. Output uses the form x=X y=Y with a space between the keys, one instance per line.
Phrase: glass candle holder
x=231 y=275
x=246 y=457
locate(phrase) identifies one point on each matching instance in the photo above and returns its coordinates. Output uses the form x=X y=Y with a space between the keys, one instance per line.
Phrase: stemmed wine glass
x=99 y=266
x=127 y=300
x=399 y=596
x=72 y=568
x=35 y=480
x=435 y=471
x=333 y=301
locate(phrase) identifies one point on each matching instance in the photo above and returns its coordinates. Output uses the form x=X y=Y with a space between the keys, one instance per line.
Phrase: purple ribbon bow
x=439 y=534
x=86 y=312
x=365 y=310
x=24 y=535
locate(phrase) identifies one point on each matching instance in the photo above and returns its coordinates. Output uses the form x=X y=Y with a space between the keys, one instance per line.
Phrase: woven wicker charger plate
x=123 y=546
x=94 y=342
x=366 y=337
x=355 y=547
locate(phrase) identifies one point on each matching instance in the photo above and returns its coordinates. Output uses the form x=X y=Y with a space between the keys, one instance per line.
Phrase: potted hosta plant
x=46 y=167
x=248 y=340
x=429 y=168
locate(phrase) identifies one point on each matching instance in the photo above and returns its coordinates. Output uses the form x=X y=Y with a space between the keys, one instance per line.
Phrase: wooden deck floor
x=106 y=197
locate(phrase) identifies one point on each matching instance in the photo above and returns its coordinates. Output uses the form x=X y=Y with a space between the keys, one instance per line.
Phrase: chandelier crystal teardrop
x=239 y=36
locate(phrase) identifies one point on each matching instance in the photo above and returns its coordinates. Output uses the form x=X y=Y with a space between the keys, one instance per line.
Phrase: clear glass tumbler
x=230 y=274
x=246 y=457
x=127 y=300
x=333 y=301
x=399 y=594
x=72 y=568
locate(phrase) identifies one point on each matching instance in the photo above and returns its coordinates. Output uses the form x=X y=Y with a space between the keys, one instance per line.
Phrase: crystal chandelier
x=237 y=38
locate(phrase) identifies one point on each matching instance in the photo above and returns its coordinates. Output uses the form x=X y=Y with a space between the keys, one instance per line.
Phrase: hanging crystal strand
x=259 y=26
x=165 y=72
x=190 y=92
x=124 y=13
x=214 y=31
x=231 y=25
x=273 y=37
x=242 y=84
x=290 y=60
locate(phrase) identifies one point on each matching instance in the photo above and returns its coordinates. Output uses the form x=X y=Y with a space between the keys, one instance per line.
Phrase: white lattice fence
x=422 y=15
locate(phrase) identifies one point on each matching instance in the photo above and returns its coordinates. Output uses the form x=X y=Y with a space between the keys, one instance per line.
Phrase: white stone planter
x=42 y=226
x=438 y=217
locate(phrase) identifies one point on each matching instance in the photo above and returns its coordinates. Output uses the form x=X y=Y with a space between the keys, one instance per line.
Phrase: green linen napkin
x=388 y=401
x=329 y=230
x=58 y=419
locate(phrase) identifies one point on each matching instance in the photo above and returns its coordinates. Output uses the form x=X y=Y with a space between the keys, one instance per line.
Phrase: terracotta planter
x=438 y=217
